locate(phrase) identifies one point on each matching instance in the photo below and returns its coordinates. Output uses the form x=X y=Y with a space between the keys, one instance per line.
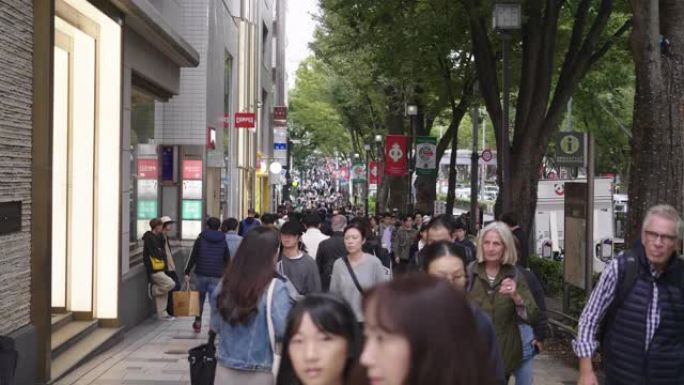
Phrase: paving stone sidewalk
x=155 y=353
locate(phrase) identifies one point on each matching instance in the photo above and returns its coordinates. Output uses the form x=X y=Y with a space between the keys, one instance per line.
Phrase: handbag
x=186 y=303
x=203 y=362
x=271 y=330
x=158 y=264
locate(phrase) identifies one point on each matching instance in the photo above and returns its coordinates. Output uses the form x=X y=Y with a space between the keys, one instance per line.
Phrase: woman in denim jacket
x=238 y=311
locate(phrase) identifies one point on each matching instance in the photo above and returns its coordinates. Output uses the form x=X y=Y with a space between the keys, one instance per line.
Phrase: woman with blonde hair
x=501 y=292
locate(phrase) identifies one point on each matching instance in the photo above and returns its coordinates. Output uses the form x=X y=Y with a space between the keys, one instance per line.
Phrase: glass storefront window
x=144 y=200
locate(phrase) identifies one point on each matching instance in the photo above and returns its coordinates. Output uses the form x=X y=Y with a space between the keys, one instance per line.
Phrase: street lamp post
x=412 y=111
x=507 y=18
x=355 y=186
x=380 y=155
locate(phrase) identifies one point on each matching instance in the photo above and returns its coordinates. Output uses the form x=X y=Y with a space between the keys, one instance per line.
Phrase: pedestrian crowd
x=328 y=298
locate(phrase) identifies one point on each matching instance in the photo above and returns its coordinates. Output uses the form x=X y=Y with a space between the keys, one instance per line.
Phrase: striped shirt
x=603 y=295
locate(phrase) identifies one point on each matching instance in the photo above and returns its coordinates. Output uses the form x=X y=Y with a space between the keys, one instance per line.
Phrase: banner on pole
x=359 y=173
x=426 y=155
x=344 y=175
x=374 y=172
x=396 y=162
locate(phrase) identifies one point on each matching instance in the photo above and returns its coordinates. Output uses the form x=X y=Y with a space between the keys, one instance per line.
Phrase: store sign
x=167 y=164
x=147 y=209
x=192 y=189
x=426 y=155
x=147 y=188
x=396 y=161
x=192 y=169
x=147 y=168
x=280 y=114
x=245 y=120
x=211 y=138
x=191 y=209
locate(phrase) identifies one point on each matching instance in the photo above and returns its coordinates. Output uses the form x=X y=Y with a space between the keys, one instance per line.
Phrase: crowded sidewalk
x=155 y=353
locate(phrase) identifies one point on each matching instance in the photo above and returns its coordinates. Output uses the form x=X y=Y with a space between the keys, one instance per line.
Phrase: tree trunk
x=657 y=144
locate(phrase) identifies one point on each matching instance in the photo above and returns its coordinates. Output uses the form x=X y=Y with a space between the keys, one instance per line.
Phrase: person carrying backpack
x=636 y=311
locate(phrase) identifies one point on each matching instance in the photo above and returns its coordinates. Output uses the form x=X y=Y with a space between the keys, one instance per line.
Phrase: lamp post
x=412 y=111
x=380 y=155
x=507 y=19
x=355 y=186
x=367 y=147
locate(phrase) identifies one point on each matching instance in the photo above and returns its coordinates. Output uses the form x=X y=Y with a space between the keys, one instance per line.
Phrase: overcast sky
x=300 y=28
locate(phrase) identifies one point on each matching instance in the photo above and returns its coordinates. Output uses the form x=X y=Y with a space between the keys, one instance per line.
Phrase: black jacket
x=328 y=252
x=153 y=247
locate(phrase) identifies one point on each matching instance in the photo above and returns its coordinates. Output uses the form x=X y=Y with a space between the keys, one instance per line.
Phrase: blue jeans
x=524 y=374
x=205 y=285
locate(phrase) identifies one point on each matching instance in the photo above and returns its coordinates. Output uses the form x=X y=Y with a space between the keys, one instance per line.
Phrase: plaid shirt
x=603 y=295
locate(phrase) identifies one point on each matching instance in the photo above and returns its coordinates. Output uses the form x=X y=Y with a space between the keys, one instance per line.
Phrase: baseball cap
x=166 y=219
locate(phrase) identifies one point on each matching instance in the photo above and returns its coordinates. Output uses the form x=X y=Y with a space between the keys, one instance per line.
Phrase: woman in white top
x=356 y=272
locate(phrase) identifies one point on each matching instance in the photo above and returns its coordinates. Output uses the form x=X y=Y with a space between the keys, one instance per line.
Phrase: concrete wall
x=16 y=50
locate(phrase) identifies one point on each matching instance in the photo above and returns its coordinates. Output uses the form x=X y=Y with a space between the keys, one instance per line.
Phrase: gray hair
x=338 y=222
x=510 y=254
x=666 y=212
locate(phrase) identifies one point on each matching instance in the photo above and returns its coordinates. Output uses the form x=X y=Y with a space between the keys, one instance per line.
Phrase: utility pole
x=474 y=171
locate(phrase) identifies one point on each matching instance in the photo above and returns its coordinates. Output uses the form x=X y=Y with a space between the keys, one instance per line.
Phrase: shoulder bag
x=353 y=275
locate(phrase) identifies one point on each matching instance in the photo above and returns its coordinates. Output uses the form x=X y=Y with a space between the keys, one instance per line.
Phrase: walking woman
x=357 y=271
x=322 y=342
x=446 y=260
x=420 y=330
x=501 y=292
x=240 y=311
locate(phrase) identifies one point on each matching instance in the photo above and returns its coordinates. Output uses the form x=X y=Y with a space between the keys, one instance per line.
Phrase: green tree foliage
x=316 y=124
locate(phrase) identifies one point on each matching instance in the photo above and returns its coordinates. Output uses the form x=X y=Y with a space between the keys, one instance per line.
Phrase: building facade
x=115 y=112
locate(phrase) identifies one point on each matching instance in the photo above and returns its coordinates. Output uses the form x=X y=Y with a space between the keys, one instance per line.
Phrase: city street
x=155 y=353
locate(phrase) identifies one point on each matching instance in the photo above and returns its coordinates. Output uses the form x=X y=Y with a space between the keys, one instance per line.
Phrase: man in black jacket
x=155 y=261
x=331 y=249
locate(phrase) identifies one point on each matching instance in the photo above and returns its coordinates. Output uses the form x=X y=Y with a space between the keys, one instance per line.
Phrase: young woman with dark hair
x=239 y=311
x=357 y=271
x=420 y=330
x=446 y=260
x=322 y=342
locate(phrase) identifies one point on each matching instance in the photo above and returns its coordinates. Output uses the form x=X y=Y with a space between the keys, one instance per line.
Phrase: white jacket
x=311 y=239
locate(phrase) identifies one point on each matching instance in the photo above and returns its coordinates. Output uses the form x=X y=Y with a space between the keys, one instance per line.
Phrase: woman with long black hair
x=249 y=310
x=322 y=342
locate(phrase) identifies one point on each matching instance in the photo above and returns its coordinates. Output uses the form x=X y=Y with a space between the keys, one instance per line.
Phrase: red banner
x=396 y=162
x=344 y=173
x=374 y=176
x=245 y=120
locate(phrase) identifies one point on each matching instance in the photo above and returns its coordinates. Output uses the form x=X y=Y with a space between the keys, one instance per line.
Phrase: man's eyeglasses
x=665 y=238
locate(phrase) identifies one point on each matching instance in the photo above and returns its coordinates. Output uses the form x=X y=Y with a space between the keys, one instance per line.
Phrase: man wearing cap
x=167 y=227
x=156 y=264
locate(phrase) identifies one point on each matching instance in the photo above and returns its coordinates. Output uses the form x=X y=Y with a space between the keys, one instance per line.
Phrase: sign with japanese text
x=396 y=161
x=192 y=189
x=192 y=169
x=280 y=114
x=191 y=209
x=147 y=209
x=426 y=155
x=147 y=169
x=245 y=120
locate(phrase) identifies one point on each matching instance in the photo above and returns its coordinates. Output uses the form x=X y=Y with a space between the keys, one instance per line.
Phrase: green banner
x=426 y=155
x=147 y=209
x=358 y=173
x=191 y=209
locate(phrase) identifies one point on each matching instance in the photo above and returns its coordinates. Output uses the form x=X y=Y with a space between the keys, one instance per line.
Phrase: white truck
x=549 y=217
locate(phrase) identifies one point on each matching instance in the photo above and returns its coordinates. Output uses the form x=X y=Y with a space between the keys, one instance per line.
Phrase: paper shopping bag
x=186 y=303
